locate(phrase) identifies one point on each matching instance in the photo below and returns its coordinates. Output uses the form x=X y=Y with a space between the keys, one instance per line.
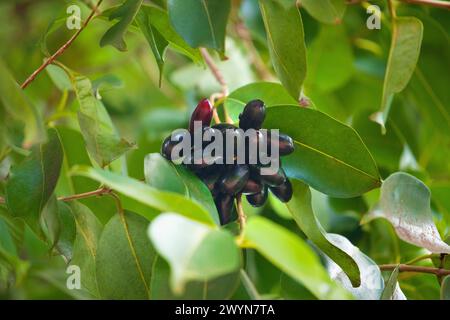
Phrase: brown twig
x=62 y=49
x=259 y=65
x=432 y=3
x=99 y=192
x=242 y=218
x=407 y=268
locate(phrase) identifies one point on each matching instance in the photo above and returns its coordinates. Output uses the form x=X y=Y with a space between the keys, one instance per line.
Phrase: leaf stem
x=249 y=286
x=240 y=211
x=420 y=258
x=407 y=268
x=61 y=49
x=99 y=192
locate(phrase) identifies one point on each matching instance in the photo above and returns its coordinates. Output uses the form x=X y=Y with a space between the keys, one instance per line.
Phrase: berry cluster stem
x=242 y=218
x=62 y=48
x=420 y=269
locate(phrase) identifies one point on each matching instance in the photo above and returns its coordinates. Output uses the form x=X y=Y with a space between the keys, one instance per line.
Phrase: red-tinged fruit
x=203 y=112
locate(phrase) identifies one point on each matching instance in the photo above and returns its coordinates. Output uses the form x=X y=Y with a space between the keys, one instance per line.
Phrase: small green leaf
x=159 y=19
x=329 y=155
x=85 y=246
x=147 y=195
x=391 y=285
x=293 y=256
x=125 y=13
x=287 y=48
x=16 y=105
x=59 y=77
x=445 y=288
x=201 y=23
x=155 y=39
x=124 y=258
x=403 y=56
x=405 y=202
x=31 y=183
x=301 y=209
x=271 y=93
x=326 y=11
x=164 y=175
x=193 y=250
x=101 y=138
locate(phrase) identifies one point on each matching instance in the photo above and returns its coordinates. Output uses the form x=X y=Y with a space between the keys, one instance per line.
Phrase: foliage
x=82 y=182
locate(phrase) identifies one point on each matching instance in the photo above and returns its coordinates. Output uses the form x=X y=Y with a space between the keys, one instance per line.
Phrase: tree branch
x=60 y=50
x=420 y=269
x=432 y=3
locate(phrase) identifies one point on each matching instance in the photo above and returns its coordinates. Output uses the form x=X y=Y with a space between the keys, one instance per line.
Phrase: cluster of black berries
x=225 y=180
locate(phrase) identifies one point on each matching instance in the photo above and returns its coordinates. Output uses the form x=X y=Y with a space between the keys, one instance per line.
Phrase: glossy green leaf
x=85 y=246
x=155 y=39
x=330 y=61
x=271 y=93
x=391 y=285
x=326 y=11
x=126 y=13
x=218 y=288
x=101 y=138
x=445 y=288
x=59 y=77
x=164 y=175
x=201 y=23
x=405 y=202
x=159 y=19
x=124 y=258
x=403 y=56
x=147 y=195
x=301 y=209
x=293 y=256
x=193 y=250
x=287 y=49
x=329 y=155
x=16 y=105
x=32 y=182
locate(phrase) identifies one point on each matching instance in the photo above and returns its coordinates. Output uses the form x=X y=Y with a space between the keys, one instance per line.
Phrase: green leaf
x=293 y=256
x=271 y=93
x=301 y=209
x=326 y=11
x=445 y=288
x=85 y=246
x=101 y=138
x=403 y=56
x=287 y=49
x=159 y=19
x=330 y=60
x=125 y=13
x=329 y=155
x=31 y=183
x=372 y=283
x=391 y=285
x=155 y=39
x=16 y=105
x=193 y=250
x=147 y=195
x=59 y=77
x=124 y=258
x=405 y=202
x=164 y=175
x=218 y=288
x=201 y=23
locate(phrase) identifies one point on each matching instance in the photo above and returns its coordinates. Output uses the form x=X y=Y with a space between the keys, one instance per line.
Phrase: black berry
x=253 y=115
x=283 y=192
x=234 y=179
x=258 y=199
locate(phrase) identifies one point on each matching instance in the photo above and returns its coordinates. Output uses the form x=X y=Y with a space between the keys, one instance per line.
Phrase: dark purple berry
x=283 y=192
x=253 y=115
x=258 y=199
x=203 y=112
x=224 y=204
x=234 y=179
x=275 y=179
x=252 y=186
x=285 y=144
x=170 y=142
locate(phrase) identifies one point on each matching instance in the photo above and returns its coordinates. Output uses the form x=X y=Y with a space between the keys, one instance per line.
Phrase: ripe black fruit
x=203 y=112
x=283 y=192
x=285 y=144
x=253 y=115
x=224 y=205
x=258 y=199
x=275 y=179
x=252 y=186
x=170 y=142
x=234 y=179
